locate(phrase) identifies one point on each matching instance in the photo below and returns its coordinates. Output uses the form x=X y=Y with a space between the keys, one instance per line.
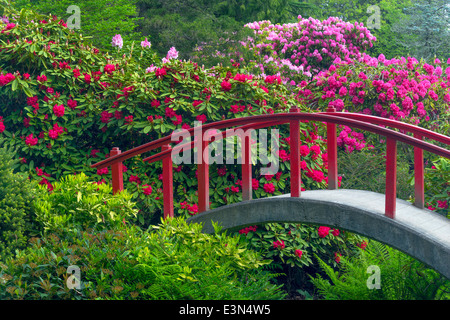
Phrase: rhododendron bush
x=64 y=106
x=299 y=50
x=324 y=64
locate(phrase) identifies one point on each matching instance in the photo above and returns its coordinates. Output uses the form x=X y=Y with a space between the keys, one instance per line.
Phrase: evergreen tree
x=426 y=30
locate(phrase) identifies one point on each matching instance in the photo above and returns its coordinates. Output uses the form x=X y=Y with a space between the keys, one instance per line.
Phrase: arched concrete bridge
x=412 y=229
x=420 y=233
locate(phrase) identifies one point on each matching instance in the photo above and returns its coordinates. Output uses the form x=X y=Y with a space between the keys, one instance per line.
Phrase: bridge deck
x=420 y=233
x=422 y=220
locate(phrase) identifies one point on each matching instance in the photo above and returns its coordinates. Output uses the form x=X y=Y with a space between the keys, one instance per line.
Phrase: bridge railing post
x=116 y=172
x=167 y=183
x=391 y=177
x=203 y=173
x=332 y=153
x=418 y=176
x=294 y=134
x=246 y=167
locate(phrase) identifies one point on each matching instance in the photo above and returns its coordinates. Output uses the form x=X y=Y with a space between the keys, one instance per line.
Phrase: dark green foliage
x=172 y=261
x=16 y=199
x=366 y=170
x=426 y=29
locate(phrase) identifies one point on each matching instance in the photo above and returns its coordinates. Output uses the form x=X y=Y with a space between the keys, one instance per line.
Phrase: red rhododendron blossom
x=147 y=189
x=58 y=110
x=442 y=204
x=284 y=156
x=222 y=171
x=255 y=184
x=128 y=119
x=9 y=26
x=362 y=245
x=335 y=232
x=323 y=231
x=76 y=73
x=160 y=72
x=53 y=134
x=178 y=120
x=272 y=79
x=197 y=102
x=30 y=140
x=135 y=179
x=269 y=188
x=72 y=104
x=226 y=86
x=118 y=114
x=32 y=100
x=39 y=171
x=193 y=209
x=103 y=171
x=2 y=126
x=318 y=175
x=42 y=78
x=87 y=78
x=155 y=103
x=201 y=118
x=248 y=229
x=105 y=116
x=237 y=108
x=304 y=150
x=337 y=257
x=279 y=244
x=298 y=253
x=169 y=112
x=109 y=68
x=94 y=153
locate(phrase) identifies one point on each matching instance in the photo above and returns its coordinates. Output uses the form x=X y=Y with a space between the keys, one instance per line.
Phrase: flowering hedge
x=323 y=63
x=401 y=89
x=65 y=106
x=299 y=50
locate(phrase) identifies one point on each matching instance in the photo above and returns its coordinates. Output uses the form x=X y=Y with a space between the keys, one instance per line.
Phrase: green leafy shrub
x=171 y=261
x=75 y=202
x=16 y=197
x=401 y=277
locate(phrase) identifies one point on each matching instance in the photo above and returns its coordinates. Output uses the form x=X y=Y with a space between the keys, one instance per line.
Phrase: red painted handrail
x=359 y=121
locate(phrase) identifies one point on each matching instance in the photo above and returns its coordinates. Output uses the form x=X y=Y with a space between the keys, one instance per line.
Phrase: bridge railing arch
x=293 y=118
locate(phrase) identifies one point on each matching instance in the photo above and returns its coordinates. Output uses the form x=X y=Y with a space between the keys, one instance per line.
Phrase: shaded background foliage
x=407 y=27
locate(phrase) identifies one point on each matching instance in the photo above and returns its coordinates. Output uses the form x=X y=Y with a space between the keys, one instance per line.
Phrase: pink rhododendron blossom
x=146 y=43
x=117 y=41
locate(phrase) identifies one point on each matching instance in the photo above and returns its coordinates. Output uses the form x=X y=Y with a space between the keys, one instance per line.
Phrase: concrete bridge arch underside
x=421 y=233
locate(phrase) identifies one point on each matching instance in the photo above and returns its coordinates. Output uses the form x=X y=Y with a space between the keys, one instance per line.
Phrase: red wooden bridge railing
x=293 y=118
